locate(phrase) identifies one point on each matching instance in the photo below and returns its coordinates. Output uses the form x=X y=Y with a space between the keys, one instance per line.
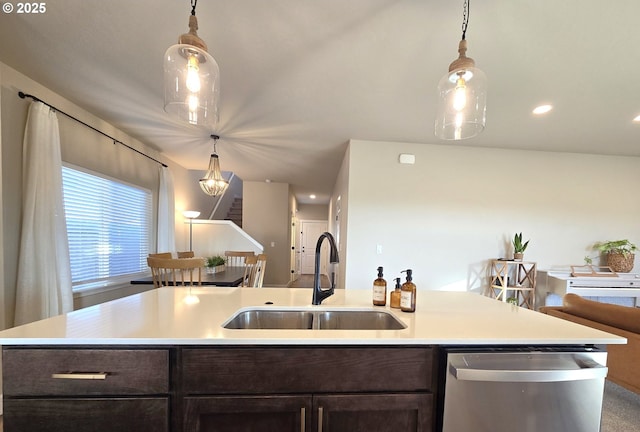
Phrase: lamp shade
x=191 y=85
x=190 y=214
x=213 y=183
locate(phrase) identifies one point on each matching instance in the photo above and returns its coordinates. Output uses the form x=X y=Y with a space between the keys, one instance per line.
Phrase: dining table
x=231 y=276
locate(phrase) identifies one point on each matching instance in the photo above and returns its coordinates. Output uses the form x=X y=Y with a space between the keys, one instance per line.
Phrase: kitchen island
x=162 y=361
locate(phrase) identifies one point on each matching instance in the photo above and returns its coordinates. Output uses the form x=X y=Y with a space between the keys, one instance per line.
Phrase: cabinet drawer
x=95 y=415
x=257 y=370
x=80 y=372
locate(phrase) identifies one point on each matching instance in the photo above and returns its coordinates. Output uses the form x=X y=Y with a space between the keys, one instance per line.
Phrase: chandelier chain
x=193 y=6
x=215 y=141
x=465 y=18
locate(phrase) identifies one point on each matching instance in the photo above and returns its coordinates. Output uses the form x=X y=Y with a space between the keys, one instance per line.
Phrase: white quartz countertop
x=163 y=317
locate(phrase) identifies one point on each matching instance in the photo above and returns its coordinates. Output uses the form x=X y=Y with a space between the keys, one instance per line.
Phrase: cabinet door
x=381 y=412
x=86 y=415
x=247 y=413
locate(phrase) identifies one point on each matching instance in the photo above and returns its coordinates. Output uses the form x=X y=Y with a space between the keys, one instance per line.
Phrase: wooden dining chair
x=236 y=258
x=161 y=255
x=259 y=270
x=186 y=254
x=176 y=271
x=254 y=268
x=249 y=266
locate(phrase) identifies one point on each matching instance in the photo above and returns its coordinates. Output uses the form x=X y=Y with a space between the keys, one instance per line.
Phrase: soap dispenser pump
x=396 y=295
x=379 y=290
x=408 y=293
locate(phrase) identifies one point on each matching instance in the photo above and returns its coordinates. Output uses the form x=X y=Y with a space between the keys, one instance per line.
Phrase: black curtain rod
x=24 y=95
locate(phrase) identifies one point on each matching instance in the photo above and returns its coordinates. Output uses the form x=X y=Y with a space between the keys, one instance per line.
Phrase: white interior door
x=310 y=231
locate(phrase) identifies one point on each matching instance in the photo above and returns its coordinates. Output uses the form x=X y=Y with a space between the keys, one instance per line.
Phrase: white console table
x=605 y=289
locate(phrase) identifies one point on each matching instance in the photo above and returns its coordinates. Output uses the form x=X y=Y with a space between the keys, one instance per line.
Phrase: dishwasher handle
x=585 y=370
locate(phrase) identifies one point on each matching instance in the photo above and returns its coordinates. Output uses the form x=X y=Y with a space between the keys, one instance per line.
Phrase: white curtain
x=166 y=214
x=44 y=274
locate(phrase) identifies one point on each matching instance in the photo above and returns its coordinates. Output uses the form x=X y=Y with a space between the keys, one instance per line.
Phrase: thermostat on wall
x=406 y=158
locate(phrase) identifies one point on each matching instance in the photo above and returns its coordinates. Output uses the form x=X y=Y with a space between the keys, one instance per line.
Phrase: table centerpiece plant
x=215 y=264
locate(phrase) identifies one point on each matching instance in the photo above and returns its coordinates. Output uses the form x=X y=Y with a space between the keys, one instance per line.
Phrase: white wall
x=214 y=237
x=460 y=206
x=266 y=216
x=338 y=217
x=313 y=211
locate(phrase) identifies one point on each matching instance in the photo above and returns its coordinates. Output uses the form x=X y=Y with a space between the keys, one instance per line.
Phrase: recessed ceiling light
x=637 y=118
x=312 y=196
x=267 y=180
x=542 y=109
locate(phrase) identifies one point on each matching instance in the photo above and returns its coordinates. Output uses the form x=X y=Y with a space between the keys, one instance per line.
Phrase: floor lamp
x=191 y=215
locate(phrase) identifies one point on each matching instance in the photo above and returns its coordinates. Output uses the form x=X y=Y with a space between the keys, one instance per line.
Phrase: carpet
x=620 y=409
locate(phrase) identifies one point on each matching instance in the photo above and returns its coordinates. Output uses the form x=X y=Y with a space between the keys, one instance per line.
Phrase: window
x=108 y=225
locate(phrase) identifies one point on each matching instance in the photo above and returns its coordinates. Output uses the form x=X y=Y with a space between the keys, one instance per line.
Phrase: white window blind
x=108 y=225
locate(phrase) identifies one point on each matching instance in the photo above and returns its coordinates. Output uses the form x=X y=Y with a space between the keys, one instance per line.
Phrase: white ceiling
x=299 y=78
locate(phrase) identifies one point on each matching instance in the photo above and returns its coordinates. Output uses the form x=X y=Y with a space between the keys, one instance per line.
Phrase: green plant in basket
x=620 y=254
x=215 y=261
x=624 y=247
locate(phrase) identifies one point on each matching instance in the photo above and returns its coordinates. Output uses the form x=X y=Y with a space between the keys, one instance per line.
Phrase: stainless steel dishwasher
x=524 y=390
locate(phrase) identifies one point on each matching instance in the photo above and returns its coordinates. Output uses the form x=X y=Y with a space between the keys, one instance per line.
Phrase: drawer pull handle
x=80 y=375
x=302 y=419
x=320 y=414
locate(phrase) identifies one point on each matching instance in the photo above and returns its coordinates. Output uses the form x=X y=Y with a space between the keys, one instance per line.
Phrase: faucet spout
x=318 y=293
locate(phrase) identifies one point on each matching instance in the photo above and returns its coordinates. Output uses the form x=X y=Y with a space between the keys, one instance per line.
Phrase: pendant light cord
x=193 y=6
x=465 y=18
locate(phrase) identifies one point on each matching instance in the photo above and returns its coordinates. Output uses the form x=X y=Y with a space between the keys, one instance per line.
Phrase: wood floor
x=306 y=281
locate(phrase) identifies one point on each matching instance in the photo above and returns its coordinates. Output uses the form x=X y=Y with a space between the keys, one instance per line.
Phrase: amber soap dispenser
x=395 y=295
x=379 y=290
x=408 y=293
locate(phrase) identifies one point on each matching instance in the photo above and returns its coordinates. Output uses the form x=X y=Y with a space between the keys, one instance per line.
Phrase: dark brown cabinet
x=71 y=389
x=272 y=413
x=79 y=415
x=221 y=389
x=389 y=412
x=316 y=389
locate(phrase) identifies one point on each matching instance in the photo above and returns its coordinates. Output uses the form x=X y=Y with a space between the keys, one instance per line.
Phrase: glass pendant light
x=462 y=95
x=191 y=78
x=213 y=183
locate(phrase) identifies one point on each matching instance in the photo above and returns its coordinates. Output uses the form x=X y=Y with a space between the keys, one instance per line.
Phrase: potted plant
x=215 y=264
x=519 y=247
x=620 y=254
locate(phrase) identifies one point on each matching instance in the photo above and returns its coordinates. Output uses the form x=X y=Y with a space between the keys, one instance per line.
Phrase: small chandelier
x=191 y=78
x=462 y=94
x=213 y=183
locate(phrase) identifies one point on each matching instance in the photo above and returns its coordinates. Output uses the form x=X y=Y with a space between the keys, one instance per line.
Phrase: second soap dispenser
x=408 y=293
x=396 y=295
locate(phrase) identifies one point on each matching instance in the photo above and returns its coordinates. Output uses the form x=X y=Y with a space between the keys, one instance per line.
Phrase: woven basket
x=619 y=262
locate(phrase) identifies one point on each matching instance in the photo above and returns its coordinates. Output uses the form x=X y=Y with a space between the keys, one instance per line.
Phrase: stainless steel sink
x=270 y=319
x=356 y=320
x=329 y=319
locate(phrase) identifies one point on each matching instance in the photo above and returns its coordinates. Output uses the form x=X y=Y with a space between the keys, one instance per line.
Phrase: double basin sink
x=325 y=319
